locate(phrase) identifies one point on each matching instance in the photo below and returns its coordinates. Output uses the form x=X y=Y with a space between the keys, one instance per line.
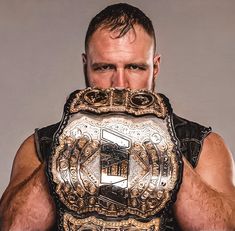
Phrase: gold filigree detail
x=71 y=223
x=137 y=102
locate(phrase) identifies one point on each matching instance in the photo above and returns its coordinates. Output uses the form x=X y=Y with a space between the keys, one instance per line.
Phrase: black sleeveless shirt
x=190 y=134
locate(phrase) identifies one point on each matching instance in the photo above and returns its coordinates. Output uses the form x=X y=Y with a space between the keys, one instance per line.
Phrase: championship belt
x=115 y=163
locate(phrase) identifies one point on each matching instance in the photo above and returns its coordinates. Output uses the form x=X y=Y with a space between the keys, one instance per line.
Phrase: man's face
x=126 y=62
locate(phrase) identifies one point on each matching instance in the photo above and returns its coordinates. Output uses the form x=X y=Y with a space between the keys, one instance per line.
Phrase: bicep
x=27 y=203
x=216 y=165
x=25 y=162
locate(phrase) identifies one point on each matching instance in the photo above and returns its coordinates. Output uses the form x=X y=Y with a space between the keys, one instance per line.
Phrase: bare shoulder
x=216 y=164
x=26 y=203
x=25 y=162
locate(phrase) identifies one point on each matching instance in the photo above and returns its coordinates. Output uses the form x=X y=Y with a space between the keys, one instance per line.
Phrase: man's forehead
x=105 y=38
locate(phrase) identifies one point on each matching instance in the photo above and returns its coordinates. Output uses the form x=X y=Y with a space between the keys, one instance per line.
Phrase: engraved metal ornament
x=95 y=224
x=114 y=164
x=133 y=102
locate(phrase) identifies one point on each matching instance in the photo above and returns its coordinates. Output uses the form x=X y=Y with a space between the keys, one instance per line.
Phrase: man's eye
x=136 y=67
x=103 y=68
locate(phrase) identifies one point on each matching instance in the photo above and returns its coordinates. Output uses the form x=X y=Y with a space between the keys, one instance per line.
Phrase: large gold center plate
x=115 y=165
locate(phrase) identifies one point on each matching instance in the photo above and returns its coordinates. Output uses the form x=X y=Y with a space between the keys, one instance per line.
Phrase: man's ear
x=84 y=58
x=84 y=61
x=156 y=65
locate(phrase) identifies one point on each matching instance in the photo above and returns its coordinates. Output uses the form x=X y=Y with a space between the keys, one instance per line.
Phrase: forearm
x=199 y=207
x=28 y=205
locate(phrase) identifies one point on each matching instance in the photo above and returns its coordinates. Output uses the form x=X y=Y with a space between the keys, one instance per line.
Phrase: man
x=120 y=52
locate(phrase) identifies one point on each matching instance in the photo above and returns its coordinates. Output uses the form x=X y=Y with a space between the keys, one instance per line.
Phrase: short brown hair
x=120 y=17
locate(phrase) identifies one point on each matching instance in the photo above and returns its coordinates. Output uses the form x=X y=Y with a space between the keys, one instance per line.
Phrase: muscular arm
x=206 y=199
x=26 y=203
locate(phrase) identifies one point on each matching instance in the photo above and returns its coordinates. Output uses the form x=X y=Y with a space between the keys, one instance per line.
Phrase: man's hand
x=206 y=199
x=26 y=204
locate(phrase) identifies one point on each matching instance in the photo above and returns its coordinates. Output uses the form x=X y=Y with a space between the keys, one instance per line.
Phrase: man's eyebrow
x=139 y=64
x=143 y=65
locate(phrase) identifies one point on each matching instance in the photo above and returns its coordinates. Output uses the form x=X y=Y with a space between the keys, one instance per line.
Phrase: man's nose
x=119 y=79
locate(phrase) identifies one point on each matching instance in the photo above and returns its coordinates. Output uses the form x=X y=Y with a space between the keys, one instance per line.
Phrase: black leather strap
x=191 y=136
x=43 y=140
